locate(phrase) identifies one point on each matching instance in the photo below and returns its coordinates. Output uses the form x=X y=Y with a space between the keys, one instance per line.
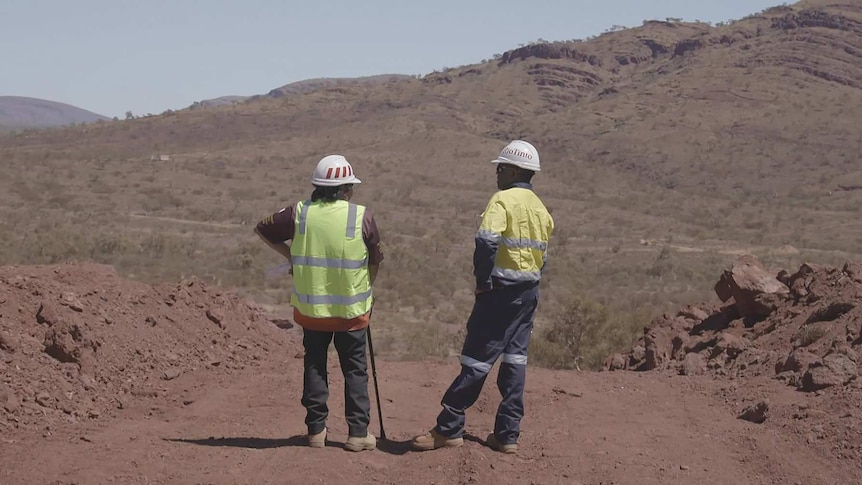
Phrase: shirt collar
x=520 y=185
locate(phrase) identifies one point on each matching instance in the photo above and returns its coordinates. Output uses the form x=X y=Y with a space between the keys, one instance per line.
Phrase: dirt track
x=590 y=428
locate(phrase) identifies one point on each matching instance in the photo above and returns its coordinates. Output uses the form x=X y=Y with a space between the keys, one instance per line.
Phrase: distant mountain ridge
x=311 y=85
x=18 y=112
x=307 y=86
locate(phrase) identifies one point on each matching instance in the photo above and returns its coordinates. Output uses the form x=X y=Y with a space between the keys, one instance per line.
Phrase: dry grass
x=655 y=185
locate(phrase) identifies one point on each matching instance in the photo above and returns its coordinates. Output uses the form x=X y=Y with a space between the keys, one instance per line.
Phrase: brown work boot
x=495 y=445
x=433 y=440
x=317 y=440
x=354 y=443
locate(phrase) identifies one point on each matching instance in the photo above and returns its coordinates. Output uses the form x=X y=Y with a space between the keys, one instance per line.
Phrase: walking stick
x=376 y=389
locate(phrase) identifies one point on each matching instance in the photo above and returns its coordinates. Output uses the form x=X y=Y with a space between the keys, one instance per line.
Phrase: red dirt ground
x=114 y=381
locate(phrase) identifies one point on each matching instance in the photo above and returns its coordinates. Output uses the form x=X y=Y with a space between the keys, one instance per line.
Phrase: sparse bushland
x=583 y=334
x=612 y=278
x=658 y=173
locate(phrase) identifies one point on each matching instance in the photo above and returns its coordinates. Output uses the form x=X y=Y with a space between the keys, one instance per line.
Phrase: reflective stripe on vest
x=352 y=209
x=518 y=222
x=331 y=299
x=330 y=261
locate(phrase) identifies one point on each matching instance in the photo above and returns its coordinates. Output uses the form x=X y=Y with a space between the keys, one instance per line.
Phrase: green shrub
x=583 y=335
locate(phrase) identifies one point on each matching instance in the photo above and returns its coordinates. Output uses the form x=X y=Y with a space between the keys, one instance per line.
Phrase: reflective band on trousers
x=515 y=359
x=480 y=366
x=331 y=299
x=328 y=262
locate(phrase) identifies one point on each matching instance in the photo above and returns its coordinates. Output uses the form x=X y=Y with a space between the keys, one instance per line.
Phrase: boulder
x=835 y=370
x=756 y=413
x=8 y=342
x=692 y=312
x=616 y=362
x=693 y=364
x=747 y=282
x=798 y=361
x=854 y=271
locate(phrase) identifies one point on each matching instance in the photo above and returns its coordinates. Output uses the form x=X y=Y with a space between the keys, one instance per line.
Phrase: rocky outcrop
x=686 y=46
x=549 y=51
x=655 y=47
x=802 y=328
x=815 y=18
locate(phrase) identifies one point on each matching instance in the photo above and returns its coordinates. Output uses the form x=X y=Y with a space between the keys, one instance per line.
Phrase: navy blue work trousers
x=315 y=391
x=499 y=327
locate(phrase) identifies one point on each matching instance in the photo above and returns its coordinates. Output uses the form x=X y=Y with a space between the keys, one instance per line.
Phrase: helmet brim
x=335 y=183
x=514 y=164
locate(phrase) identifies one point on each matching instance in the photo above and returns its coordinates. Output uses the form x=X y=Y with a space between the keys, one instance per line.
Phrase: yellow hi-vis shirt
x=512 y=242
x=330 y=261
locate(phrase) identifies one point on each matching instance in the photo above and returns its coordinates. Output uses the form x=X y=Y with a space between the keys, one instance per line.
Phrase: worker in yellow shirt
x=511 y=252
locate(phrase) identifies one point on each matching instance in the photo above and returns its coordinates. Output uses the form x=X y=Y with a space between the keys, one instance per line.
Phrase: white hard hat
x=520 y=154
x=332 y=171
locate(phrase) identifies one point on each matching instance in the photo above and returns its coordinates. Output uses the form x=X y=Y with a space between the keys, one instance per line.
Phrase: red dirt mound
x=803 y=329
x=110 y=381
x=78 y=342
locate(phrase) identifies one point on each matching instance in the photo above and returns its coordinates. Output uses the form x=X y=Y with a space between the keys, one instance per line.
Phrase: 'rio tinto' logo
x=517 y=153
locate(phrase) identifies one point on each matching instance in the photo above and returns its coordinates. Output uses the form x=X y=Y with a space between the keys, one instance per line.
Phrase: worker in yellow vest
x=334 y=253
x=511 y=251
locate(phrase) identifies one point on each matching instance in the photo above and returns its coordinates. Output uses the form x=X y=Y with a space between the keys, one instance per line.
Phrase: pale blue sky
x=110 y=56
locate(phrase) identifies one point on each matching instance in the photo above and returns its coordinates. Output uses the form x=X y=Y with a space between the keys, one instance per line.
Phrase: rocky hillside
x=684 y=106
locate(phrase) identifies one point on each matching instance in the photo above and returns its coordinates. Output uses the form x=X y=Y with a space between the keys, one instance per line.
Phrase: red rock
x=746 y=282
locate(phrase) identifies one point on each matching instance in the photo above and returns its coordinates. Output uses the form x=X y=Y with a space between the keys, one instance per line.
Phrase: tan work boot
x=317 y=440
x=495 y=445
x=368 y=443
x=433 y=440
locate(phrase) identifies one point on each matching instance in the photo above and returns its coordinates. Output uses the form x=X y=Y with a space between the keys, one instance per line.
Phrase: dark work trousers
x=499 y=326
x=351 y=354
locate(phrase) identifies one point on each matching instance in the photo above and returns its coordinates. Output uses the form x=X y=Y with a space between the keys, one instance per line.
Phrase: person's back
x=334 y=255
x=330 y=258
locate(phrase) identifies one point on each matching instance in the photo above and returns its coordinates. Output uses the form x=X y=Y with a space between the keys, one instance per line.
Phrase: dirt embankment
x=77 y=342
x=802 y=329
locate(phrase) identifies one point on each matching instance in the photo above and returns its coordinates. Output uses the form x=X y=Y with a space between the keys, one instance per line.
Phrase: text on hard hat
x=517 y=153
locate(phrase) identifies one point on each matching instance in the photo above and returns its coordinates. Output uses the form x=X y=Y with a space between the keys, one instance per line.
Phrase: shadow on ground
x=386 y=446
x=245 y=442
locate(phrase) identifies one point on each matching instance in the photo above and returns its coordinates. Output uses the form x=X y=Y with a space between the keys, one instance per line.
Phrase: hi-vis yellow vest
x=521 y=226
x=330 y=261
